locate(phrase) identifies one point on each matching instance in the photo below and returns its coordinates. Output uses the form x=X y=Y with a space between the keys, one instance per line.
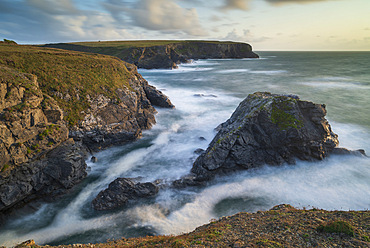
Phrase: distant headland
x=155 y=54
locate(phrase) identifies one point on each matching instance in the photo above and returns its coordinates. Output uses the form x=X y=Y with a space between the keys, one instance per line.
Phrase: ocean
x=205 y=93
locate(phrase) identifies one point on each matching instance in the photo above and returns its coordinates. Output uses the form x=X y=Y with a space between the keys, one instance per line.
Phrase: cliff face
x=50 y=119
x=168 y=56
x=150 y=55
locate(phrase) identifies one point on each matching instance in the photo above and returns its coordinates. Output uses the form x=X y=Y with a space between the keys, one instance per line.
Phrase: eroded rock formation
x=120 y=191
x=267 y=129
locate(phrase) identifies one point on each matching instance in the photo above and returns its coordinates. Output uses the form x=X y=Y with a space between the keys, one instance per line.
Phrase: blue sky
x=265 y=24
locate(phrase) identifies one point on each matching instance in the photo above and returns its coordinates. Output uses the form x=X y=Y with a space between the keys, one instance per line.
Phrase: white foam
x=272 y=72
x=232 y=71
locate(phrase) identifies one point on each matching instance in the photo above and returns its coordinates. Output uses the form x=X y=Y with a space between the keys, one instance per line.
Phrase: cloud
x=160 y=15
x=37 y=21
x=245 y=36
x=244 y=4
x=235 y=5
x=279 y=2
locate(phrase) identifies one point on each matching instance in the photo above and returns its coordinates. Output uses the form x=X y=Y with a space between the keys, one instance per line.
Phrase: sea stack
x=268 y=129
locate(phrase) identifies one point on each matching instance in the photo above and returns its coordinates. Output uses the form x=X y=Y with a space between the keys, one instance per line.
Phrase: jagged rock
x=199 y=151
x=157 y=98
x=48 y=176
x=94 y=159
x=27 y=129
x=120 y=191
x=109 y=123
x=268 y=129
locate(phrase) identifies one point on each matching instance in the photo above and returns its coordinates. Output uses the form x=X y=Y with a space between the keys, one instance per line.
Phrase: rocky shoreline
x=41 y=155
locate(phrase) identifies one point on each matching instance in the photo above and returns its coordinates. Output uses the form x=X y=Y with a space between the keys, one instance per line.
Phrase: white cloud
x=244 y=36
x=236 y=4
x=165 y=15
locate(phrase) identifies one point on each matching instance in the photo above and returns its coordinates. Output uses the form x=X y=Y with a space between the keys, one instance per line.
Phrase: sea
x=205 y=93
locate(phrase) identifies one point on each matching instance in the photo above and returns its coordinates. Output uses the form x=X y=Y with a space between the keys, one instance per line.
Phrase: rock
x=108 y=123
x=157 y=98
x=94 y=159
x=188 y=181
x=120 y=191
x=49 y=176
x=199 y=151
x=268 y=129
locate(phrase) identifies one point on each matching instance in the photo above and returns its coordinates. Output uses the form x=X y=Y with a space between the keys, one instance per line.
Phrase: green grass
x=67 y=72
x=337 y=227
x=143 y=43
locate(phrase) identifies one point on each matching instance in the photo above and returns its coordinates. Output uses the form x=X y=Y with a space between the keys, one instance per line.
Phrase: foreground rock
x=48 y=177
x=120 y=191
x=268 y=129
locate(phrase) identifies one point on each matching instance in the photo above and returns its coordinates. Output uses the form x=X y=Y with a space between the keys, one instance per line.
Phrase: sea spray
x=167 y=152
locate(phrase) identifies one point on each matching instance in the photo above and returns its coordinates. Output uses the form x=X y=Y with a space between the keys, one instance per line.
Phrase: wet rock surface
x=268 y=129
x=40 y=155
x=121 y=191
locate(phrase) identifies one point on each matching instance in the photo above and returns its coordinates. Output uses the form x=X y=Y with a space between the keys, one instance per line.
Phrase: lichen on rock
x=268 y=129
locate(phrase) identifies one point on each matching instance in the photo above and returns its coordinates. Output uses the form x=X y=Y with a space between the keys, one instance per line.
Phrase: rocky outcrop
x=53 y=174
x=31 y=123
x=40 y=155
x=121 y=191
x=267 y=129
x=36 y=157
x=108 y=122
x=151 y=56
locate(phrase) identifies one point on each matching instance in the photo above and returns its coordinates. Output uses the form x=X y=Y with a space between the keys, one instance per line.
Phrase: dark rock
x=48 y=177
x=344 y=151
x=157 y=98
x=108 y=123
x=202 y=138
x=120 y=191
x=188 y=181
x=94 y=159
x=268 y=129
x=199 y=151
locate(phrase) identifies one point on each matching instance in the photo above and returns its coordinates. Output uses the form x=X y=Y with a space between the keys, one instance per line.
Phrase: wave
x=272 y=72
x=232 y=71
x=335 y=84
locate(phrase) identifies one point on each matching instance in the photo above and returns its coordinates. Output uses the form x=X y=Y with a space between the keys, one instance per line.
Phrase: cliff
x=163 y=54
x=55 y=107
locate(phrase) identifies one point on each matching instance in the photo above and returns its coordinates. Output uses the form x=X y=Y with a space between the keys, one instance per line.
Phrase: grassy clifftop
x=151 y=54
x=69 y=77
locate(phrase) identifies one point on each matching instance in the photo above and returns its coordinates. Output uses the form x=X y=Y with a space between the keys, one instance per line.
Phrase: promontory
x=155 y=54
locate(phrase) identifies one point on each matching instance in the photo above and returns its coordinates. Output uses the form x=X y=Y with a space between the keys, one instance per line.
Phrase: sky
x=268 y=25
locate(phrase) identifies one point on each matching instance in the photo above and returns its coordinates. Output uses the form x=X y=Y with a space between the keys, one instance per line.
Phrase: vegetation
x=281 y=117
x=282 y=226
x=338 y=227
x=69 y=77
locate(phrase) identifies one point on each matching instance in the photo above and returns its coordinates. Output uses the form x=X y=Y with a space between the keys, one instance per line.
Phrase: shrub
x=337 y=227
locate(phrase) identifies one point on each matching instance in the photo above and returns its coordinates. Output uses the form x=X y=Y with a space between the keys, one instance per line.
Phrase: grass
x=143 y=43
x=338 y=227
x=69 y=77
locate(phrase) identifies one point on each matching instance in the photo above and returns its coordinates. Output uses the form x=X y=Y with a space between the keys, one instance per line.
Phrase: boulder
x=268 y=129
x=120 y=191
x=157 y=98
